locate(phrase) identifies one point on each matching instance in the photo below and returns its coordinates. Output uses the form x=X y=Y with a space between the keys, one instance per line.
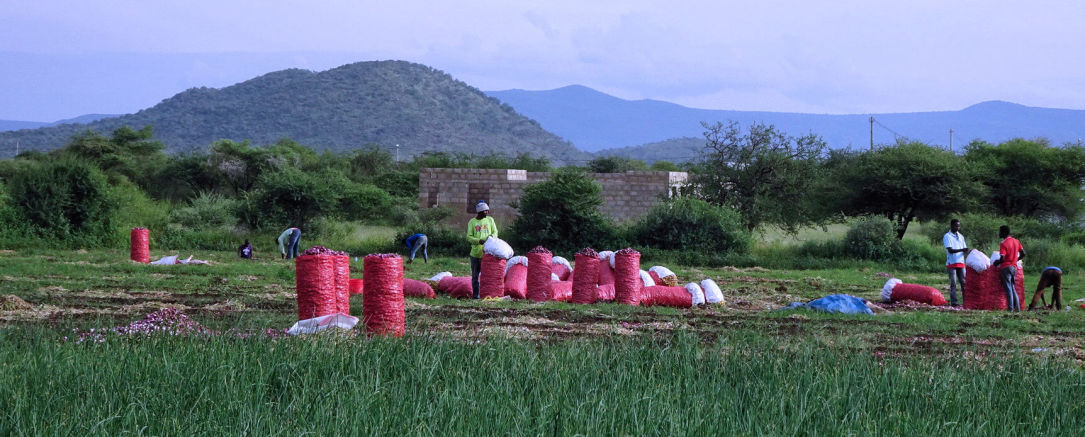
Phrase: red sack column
x=538 y=274
x=140 y=245
x=627 y=283
x=491 y=280
x=585 y=277
x=382 y=301
x=323 y=287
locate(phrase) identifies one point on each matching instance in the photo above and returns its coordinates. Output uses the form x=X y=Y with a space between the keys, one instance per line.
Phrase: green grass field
x=515 y=367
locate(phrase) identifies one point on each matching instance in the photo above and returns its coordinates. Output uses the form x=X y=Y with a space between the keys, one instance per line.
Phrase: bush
x=288 y=197
x=562 y=214
x=689 y=224
x=207 y=211
x=872 y=238
x=1044 y=252
x=66 y=200
x=362 y=201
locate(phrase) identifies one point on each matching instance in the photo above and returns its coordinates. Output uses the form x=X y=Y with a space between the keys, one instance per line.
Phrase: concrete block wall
x=626 y=195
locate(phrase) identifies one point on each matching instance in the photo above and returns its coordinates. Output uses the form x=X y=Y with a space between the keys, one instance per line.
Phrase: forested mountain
x=383 y=102
x=676 y=150
x=594 y=121
x=7 y=125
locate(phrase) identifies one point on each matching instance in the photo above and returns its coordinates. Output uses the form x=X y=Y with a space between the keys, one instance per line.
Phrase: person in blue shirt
x=288 y=243
x=1051 y=276
x=416 y=241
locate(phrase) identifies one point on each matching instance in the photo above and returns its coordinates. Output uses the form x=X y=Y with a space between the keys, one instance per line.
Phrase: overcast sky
x=60 y=59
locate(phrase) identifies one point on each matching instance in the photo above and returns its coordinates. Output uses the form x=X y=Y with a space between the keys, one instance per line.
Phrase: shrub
x=873 y=238
x=362 y=201
x=207 y=211
x=689 y=224
x=1044 y=252
x=288 y=197
x=64 y=199
x=562 y=214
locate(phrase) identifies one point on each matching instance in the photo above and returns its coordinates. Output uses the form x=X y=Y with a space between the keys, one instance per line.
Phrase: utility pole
x=397 y=152
x=951 y=140
x=871 y=132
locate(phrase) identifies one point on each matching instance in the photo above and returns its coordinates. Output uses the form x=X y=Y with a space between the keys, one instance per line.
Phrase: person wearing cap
x=956 y=248
x=478 y=230
x=414 y=242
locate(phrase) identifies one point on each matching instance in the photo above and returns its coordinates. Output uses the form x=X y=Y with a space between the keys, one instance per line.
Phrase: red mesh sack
x=516 y=281
x=322 y=285
x=655 y=277
x=585 y=277
x=558 y=269
x=491 y=279
x=458 y=287
x=416 y=288
x=627 y=283
x=538 y=274
x=382 y=306
x=663 y=295
x=983 y=290
x=356 y=286
x=605 y=292
x=918 y=293
x=606 y=272
x=140 y=245
x=561 y=291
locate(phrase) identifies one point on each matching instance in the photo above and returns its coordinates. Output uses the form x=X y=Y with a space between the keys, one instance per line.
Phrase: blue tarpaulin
x=836 y=303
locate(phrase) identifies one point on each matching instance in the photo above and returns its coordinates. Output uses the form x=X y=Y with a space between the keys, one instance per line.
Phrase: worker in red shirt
x=1010 y=251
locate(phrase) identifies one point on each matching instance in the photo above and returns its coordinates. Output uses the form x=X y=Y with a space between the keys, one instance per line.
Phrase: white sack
x=662 y=272
x=695 y=293
x=497 y=247
x=309 y=326
x=977 y=260
x=514 y=261
x=438 y=277
x=647 y=279
x=712 y=292
x=887 y=289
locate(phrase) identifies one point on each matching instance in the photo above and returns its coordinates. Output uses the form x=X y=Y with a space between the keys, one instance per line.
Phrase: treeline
x=94 y=189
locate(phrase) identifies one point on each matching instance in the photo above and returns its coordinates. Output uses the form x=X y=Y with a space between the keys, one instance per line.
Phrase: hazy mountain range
x=422 y=109
x=595 y=121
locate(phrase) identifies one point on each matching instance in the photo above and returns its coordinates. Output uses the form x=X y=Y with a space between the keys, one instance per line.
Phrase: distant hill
x=384 y=103
x=676 y=150
x=8 y=125
x=594 y=121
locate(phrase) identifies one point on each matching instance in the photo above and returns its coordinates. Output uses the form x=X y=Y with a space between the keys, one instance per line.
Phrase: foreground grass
x=428 y=386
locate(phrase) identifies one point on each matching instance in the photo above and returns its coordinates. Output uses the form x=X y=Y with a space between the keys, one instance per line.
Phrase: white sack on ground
x=438 y=277
x=662 y=272
x=695 y=293
x=887 y=289
x=309 y=326
x=712 y=292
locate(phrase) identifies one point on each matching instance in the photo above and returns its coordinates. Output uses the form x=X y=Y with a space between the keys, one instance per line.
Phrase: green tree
x=763 y=174
x=905 y=182
x=615 y=164
x=287 y=197
x=129 y=153
x=562 y=214
x=664 y=166
x=1031 y=178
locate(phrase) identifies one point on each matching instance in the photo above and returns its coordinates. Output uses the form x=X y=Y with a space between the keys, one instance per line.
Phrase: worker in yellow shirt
x=478 y=230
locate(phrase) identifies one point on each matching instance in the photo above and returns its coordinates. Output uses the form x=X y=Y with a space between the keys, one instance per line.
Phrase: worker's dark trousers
x=476 y=269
